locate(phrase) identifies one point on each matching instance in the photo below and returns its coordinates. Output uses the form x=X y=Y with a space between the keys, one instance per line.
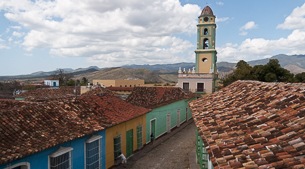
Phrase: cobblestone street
x=175 y=150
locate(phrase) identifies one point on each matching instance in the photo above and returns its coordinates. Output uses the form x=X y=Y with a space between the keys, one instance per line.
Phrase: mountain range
x=159 y=73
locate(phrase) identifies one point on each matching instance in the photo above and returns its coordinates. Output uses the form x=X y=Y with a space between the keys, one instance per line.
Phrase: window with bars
x=117 y=146
x=139 y=137
x=61 y=159
x=93 y=153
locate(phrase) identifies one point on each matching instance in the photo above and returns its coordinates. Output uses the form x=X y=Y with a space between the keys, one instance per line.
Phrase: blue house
x=48 y=135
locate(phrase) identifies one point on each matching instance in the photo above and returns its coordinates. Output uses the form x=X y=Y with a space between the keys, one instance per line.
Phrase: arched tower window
x=205 y=31
x=205 y=43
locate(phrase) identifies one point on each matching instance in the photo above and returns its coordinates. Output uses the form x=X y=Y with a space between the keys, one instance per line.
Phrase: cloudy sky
x=47 y=35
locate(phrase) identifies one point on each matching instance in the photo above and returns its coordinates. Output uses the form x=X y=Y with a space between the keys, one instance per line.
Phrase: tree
x=300 y=77
x=279 y=74
x=62 y=77
x=271 y=72
x=243 y=71
x=84 y=81
x=70 y=82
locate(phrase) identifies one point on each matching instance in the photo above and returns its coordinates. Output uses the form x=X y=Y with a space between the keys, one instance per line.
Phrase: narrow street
x=172 y=151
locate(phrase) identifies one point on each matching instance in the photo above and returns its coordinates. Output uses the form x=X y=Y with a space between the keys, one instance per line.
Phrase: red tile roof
x=30 y=127
x=127 y=89
x=253 y=125
x=152 y=97
x=114 y=108
x=46 y=94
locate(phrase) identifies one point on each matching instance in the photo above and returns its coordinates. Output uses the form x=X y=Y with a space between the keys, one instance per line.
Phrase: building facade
x=202 y=78
x=119 y=83
x=51 y=83
x=126 y=138
x=169 y=108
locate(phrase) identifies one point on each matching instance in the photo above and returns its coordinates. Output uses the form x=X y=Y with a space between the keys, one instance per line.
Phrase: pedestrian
x=123 y=158
x=152 y=137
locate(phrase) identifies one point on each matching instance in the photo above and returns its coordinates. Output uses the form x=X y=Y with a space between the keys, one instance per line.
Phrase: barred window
x=61 y=159
x=117 y=146
x=93 y=153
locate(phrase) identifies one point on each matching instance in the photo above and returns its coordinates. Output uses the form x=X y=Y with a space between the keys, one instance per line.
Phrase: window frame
x=27 y=164
x=203 y=87
x=114 y=146
x=59 y=152
x=186 y=83
x=91 y=140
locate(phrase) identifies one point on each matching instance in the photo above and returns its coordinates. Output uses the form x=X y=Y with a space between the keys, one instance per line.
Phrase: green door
x=153 y=128
x=129 y=142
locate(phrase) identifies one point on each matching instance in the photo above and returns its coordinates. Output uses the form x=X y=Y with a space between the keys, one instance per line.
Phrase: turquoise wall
x=160 y=115
x=40 y=160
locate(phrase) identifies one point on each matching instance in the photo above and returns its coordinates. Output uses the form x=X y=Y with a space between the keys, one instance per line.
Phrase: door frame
x=150 y=131
x=130 y=143
x=168 y=124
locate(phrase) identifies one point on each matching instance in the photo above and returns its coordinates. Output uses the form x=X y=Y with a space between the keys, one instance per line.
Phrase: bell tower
x=205 y=52
x=202 y=78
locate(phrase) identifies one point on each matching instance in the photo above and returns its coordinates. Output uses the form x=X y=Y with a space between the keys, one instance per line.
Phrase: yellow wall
x=121 y=129
x=129 y=83
x=119 y=83
x=106 y=83
x=205 y=67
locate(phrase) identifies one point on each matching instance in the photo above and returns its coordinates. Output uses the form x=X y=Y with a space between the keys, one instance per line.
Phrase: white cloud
x=220 y=3
x=17 y=34
x=2 y=44
x=106 y=30
x=223 y=19
x=251 y=49
x=296 y=20
x=256 y=48
x=248 y=26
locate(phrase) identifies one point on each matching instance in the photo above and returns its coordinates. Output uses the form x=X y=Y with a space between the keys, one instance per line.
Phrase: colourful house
x=169 y=108
x=251 y=124
x=69 y=132
x=58 y=134
x=127 y=131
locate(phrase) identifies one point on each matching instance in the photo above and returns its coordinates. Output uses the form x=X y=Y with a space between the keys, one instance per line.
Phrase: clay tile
x=235 y=164
x=250 y=164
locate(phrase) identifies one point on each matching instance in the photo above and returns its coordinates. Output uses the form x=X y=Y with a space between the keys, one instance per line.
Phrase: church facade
x=202 y=78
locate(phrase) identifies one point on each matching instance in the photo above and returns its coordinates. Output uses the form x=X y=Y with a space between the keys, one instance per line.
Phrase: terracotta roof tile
x=30 y=127
x=152 y=97
x=47 y=94
x=261 y=125
x=114 y=108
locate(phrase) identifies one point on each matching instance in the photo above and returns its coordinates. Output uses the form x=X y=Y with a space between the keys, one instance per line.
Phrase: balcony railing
x=195 y=75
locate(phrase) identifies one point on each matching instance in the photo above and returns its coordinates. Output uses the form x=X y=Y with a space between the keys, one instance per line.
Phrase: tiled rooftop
x=29 y=127
x=46 y=94
x=253 y=124
x=127 y=89
x=152 y=97
x=114 y=108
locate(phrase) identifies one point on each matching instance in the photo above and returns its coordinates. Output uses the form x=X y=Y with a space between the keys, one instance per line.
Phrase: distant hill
x=44 y=75
x=159 y=73
x=130 y=73
x=163 y=68
x=294 y=63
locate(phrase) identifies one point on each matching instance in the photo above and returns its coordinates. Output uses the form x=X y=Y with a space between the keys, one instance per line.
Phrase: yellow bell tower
x=202 y=78
x=206 y=52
